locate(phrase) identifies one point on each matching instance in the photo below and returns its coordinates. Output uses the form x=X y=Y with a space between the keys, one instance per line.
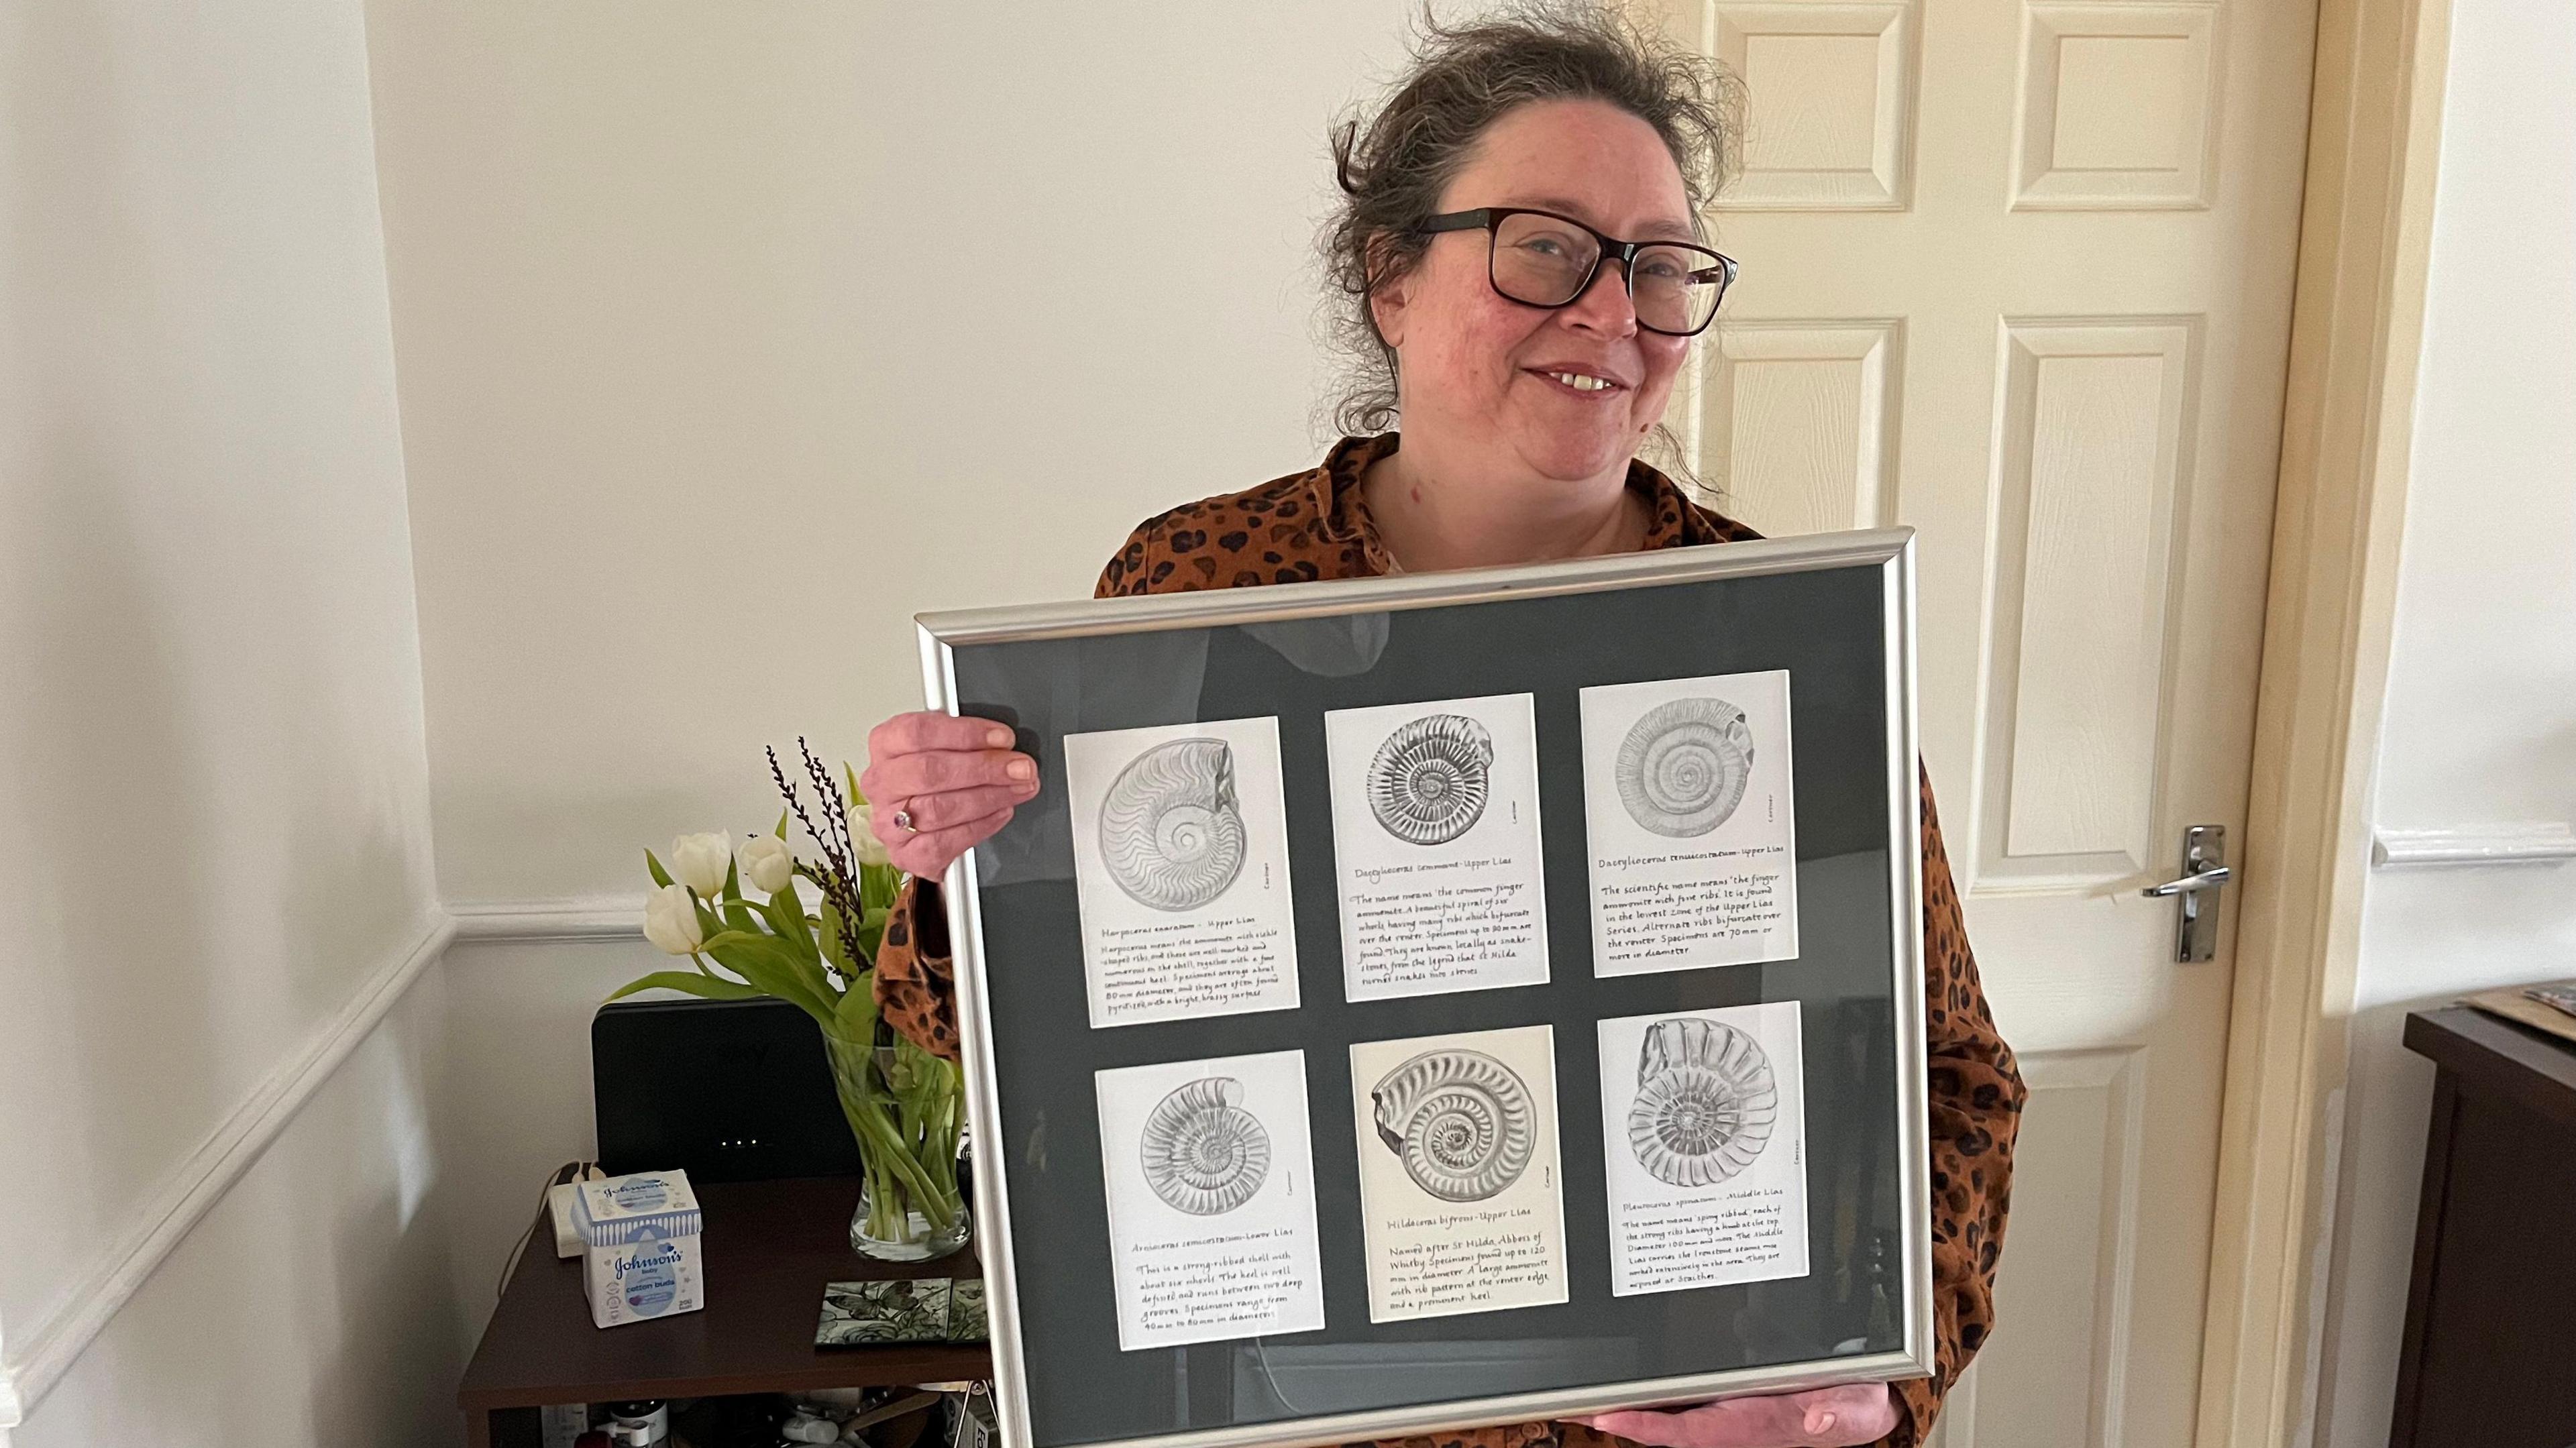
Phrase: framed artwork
x=1424 y=1002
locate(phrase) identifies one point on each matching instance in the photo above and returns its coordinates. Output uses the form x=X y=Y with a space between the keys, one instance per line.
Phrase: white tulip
x=767 y=865
x=701 y=861
x=671 y=921
x=863 y=834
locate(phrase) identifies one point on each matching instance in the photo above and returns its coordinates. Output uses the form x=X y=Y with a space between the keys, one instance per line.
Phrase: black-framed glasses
x=1541 y=259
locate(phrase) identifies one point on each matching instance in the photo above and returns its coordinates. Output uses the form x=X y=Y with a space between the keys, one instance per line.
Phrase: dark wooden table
x=770 y=1247
x=2491 y=1313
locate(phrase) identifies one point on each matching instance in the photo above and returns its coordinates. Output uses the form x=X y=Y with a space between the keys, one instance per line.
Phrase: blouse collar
x=1674 y=521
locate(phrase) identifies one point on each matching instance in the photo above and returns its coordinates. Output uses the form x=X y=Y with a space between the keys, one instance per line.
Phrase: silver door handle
x=2204 y=869
x=2209 y=879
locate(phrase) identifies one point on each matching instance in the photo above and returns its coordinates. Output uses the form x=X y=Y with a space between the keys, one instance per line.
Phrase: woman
x=1499 y=243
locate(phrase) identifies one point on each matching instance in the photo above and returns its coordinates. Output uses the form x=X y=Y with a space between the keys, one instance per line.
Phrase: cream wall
x=211 y=758
x=733 y=336
x=310 y=1307
x=2481 y=713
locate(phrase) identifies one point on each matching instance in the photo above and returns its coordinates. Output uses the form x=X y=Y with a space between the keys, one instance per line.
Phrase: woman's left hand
x=1824 y=1417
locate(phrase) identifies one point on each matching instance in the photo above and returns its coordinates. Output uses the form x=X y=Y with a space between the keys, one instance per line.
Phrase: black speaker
x=727 y=1091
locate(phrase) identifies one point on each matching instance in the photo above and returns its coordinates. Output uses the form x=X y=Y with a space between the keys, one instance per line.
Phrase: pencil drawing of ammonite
x=1203 y=1152
x=1705 y=1102
x=1431 y=778
x=1170 y=830
x=1460 y=1121
x=1683 y=767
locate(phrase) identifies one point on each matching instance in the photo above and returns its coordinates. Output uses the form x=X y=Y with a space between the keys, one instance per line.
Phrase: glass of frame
x=1424 y=1002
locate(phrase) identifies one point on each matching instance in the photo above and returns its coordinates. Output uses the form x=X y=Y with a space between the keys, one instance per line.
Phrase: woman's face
x=1477 y=374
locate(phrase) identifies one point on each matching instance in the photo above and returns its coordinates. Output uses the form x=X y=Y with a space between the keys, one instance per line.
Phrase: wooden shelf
x=770 y=1247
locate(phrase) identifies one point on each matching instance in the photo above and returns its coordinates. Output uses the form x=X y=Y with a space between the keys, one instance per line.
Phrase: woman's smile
x=1591 y=384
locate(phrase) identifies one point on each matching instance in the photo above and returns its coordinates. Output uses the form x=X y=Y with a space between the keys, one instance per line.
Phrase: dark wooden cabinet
x=2490 y=1350
x=770 y=1247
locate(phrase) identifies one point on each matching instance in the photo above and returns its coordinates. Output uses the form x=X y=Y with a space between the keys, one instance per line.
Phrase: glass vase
x=887 y=1227
x=903 y=1107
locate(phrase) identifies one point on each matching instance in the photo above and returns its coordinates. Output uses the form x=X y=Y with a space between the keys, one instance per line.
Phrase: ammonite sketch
x=1683 y=767
x=1203 y=1152
x=1460 y=1120
x=1705 y=1102
x=1170 y=830
x=1431 y=778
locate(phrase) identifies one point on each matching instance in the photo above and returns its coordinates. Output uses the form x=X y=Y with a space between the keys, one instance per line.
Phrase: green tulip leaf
x=767 y=963
x=834 y=945
x=797 y=951
x=857 y=1016
x=661 y=876
x=787 y=917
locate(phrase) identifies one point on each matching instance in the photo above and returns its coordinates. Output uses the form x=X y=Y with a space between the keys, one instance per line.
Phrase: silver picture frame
x=1890 y=552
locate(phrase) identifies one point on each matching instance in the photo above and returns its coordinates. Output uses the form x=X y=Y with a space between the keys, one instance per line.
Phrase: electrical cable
x=570 y=1171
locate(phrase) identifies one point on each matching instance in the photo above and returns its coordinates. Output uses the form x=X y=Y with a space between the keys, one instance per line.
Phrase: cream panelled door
x=2017 y=273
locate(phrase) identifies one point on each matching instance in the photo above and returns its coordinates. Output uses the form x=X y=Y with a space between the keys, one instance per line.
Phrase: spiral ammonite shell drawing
x=1171 y=832
x=1705 y=1103
x=1683 y=767
x=1204 y=1153
x=1460 y=1120
x=1431 y=778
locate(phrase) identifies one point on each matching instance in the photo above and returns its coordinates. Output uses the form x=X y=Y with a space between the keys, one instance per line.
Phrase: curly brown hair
x=1393 y=165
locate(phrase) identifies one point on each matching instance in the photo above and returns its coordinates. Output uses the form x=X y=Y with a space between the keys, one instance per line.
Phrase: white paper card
x=1461 y=1199
x=1687 y=806
x=1435 y=835
x=1211 y=1187
x=1704 y=1131
x=1180 y=861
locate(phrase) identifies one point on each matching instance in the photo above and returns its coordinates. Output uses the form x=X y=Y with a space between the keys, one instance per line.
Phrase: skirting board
x=197 y=1183
x=2515 y=844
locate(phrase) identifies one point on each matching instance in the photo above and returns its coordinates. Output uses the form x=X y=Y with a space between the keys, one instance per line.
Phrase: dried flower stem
x=839 y=878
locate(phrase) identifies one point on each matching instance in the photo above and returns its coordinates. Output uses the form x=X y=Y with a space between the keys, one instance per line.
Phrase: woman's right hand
x=956 y=781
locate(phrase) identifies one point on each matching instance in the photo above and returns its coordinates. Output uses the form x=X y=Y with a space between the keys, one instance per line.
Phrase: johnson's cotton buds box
x=639 y=1236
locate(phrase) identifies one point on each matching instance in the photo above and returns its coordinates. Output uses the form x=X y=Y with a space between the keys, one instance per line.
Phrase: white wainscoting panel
x=200 y=1181
x=2118 y=107
x=2091 y=457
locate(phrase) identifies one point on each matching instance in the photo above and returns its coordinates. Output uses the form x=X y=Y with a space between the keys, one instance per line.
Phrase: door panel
x=2088 y=464
x=2017 y=274
x=1809 y=409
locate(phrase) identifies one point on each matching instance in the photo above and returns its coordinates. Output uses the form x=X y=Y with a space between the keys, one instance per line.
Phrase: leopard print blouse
x=1315 y=524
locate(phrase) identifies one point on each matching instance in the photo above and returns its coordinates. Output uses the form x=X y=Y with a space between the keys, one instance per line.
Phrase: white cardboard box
x=640 y=1250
